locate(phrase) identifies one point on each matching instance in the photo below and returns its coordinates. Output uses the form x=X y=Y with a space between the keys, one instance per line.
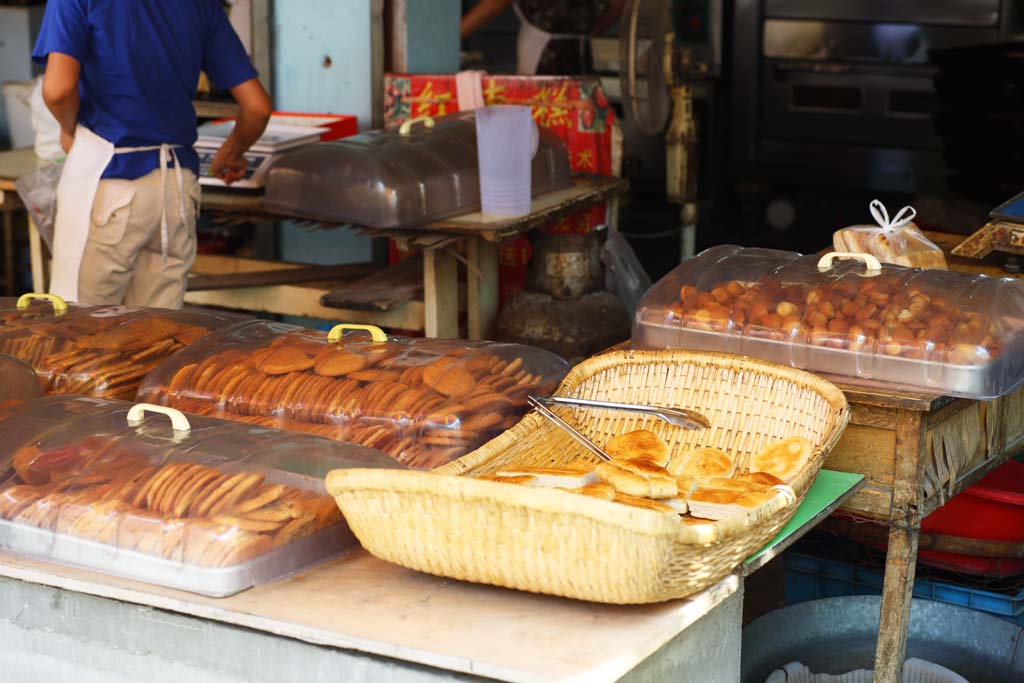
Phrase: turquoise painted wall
x=321 y=57
x=433 y=40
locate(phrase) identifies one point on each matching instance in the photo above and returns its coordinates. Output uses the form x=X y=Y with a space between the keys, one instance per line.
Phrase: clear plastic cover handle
x=59 y=305
x=137 y=413
x=873 y=265
x=338 y=331
x=406 y=127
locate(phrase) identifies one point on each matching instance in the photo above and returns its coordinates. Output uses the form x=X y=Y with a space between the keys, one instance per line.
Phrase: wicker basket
x=560 y=543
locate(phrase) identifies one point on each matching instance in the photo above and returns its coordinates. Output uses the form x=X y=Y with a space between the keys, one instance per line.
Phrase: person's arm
x=253 y=114
x=60 y=93
x=610 y=15
x=483 y=13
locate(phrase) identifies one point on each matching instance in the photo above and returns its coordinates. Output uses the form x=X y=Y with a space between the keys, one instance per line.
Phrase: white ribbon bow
x=881 y=216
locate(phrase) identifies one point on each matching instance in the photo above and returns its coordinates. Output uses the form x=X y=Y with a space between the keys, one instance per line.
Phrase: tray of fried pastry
x=102 y=351
x=424 y=402
x=672 y=511
x=190 y=503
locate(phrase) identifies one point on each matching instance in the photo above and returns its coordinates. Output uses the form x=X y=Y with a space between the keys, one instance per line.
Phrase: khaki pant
x=122 y=263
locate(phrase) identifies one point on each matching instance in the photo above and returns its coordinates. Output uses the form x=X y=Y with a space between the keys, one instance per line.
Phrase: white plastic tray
x=970 y=381
x=216 y=582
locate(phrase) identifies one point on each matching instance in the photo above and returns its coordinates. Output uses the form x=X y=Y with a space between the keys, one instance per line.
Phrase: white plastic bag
x=896 y=240
x=624 y=276
x=914 y=671
x=46 y=128
x=38 y=192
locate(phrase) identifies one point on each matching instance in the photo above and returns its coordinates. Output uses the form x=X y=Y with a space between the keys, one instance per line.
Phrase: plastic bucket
x=506 y=141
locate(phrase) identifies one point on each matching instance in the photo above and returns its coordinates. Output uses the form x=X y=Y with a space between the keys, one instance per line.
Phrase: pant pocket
x=111 y=210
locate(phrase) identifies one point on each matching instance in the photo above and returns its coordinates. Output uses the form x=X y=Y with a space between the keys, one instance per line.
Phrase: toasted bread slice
x=522 y=480
x=685 y=485
x=638 y=478
x=783 y=459
x=639 y=445
x=701 y=464
x=678 y=504
x=717 y=503
x=602 y=491
x=762 y=478
x=552 y=477
x=646 y=503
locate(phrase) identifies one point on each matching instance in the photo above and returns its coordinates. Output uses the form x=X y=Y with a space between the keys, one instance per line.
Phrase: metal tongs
x=686 y=419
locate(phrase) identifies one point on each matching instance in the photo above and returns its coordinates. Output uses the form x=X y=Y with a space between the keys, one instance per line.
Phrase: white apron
x=532 y=41
x=80 y=179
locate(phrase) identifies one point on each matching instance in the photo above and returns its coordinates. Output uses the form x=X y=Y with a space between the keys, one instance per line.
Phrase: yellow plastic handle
x=406 y=127
x=338 y=331
x=873 y=265
x=137 y=413
x=59 y=305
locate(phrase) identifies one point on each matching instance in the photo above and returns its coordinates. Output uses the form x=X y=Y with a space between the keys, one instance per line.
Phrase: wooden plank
x=37 y=255
x=901 y=557
x=278 y=276
x=15 y=163
x=872 y=416
x=215 y=109
x=222 y=264
x=870 y=451
x=304 y=300
x=890 y=398
x=360 y=603
x=482 y=289
x=384 y=290
x=873 y=502
x=585 y=191
x=440 y=294
x=8 y=253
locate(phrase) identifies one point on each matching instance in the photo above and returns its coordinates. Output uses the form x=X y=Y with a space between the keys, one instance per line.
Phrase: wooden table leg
x=611 y=216
x=9 y=253
x=35 y=248
x=440 y=294
x=901 y=557
x=482 y=289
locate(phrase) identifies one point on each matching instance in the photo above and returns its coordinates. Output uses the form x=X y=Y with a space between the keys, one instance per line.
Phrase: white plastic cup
x=506 y=141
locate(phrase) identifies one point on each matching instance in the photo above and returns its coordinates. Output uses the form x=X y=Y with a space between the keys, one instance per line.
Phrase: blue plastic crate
x=810 y=578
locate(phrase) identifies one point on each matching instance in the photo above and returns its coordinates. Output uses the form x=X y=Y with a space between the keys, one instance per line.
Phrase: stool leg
x=9 y=254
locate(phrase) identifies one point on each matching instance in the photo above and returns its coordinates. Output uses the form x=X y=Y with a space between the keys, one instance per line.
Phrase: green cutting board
x=827 y=493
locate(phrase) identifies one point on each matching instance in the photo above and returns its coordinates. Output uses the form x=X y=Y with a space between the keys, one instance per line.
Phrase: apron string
x=167 y=154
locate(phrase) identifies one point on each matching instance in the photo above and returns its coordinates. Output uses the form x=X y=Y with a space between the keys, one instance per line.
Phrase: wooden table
x=357 y=618
x=13 y=165
x=435 y=298
x=918 y=450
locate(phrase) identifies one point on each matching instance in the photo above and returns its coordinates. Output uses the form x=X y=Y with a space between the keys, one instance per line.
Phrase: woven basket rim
x=611 y=359
x=468 y=489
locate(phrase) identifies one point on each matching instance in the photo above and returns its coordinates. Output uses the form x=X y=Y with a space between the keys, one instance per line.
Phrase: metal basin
x=836 y=635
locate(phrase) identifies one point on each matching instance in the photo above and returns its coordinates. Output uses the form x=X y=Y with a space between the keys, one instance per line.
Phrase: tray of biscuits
x=193 y=503
x=425 y=402
x=844 y=315
x=102 y=351
x=671 y=512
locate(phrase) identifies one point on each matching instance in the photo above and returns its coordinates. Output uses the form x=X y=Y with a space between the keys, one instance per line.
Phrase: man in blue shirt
x=120 y=77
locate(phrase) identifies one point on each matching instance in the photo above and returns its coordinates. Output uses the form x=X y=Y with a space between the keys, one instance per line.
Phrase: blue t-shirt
x=140 y=66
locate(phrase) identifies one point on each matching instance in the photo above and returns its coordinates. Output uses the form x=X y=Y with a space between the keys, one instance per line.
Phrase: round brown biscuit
x=259 y=403
x=239 y=492
x=242 y=395
x=316 y=399
x=336 y=362
x=275 y=399
x=180 y=379
x=238 y=375
x=285 y=360
x=262 y=496
x=139 y=498
x=187 y=495
x=295 y=529
x=449 y=378
x=246 y=524
x=285 y=401
x=224 y=374
x=172 y=546
x=200 y=494
x=216 y=494
x=248 y=550
x=166 y=473
x=169 y=496
x=482 y=421
x=376 y=375
x=16 y=498
x=227 y=540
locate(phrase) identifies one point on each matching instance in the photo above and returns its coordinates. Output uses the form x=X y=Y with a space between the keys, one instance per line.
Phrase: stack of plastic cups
x=506 y=141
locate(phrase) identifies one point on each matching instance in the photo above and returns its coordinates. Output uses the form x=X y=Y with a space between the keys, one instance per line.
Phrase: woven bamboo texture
x=549 y=541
